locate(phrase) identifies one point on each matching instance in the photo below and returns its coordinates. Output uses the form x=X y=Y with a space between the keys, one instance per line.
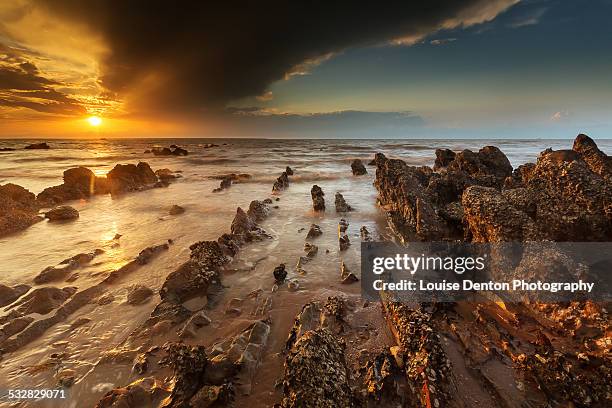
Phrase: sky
x=437 y=69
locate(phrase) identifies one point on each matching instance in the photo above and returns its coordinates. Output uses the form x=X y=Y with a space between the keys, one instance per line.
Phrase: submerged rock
x=18 y=209
x=318 y=202
x=36 y=146
x=310 y=249
x=167 y=175
x=138 y=294
x=358 y=168
x=176 y=210
x=68 y=265
x=314 y=231
x=341 y=205
x=225 y=184
x=62 y=213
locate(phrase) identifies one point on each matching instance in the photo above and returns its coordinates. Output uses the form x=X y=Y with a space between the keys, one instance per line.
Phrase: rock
x=318 y=202
x=18 y=209
x=105 y=299
x=144 y=392
x=258 y=210
x=128 y=177
x=281 y=183
x=346 y=275
x=225 y=184
x=378 y=158
x=65 y=378
x=310 y=249
x=443 y=158
x=138 y=294
x=344 y=242
x=9 y=294
x=33 y=146
x=68 y=265
x=7 y=149
x=358 y=168
x=597 y=160
x=342 y=226
x=79 y=183
x=316 y=356
x=293 y=285
x=280 y=273
x=195 y=276
x=365 y=234
x=244 y=226
x=166 y=175
x=341 y=205
x=195 y=322
x=42 y=300
x=289 y=171
x=174 y=150
x=62 y=213
x=176 y=210
x=314 y=231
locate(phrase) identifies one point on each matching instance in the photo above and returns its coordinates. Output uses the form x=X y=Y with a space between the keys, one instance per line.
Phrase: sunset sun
x=94 y=121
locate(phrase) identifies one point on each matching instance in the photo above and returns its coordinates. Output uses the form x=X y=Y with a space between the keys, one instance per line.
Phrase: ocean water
x=142 y=219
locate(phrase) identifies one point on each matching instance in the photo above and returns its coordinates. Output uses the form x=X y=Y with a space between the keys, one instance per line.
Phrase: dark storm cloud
x=194 y=55
x=22 y=86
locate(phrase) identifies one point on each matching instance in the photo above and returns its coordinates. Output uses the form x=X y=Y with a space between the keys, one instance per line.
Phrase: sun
x=94 y=121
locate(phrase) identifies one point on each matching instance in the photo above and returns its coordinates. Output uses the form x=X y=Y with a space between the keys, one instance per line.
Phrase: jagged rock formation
x=316 y=374
x=79 y=183
x=128 y=177
x=358 y=168
x=477 y=197
x=341 y=205
x=314 y=231
x=18 y=209
x=318 y=200
x=281 y=183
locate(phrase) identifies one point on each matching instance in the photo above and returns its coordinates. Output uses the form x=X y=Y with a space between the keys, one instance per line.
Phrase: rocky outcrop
x=358 y=168
x=129 y=177
x=598 y=161
x=314 y=231
x=61 y=271
x=79 y=183
x=62 y=213
x=18 y=209
x=341 y=205
x=9 y=294
x=37 y=146
x=174 y=150
x=318 y=200
x=281 y=183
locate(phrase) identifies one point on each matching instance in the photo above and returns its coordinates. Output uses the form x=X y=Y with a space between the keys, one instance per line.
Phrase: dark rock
x=346 y=275
x=225 y=184
x=289 y=171
x=379 y=158
x=365 y=234
x=244 y=226
x=341 y=205
x=68 y=265
x=443 y=158
x=166 y=175
x=79 y=183
x=138 y=294
x=358 y=168
x=128 y=177
x=310 y=249
x=318 y=202
x=258 y=210
x=597 y=160
x=176 y=210
x=62 y=213
x=18 y=209
x=281 y=183
x=33 y=146
x=9 y=294
x=314 y=231
x=7 y=149
x=280 y=273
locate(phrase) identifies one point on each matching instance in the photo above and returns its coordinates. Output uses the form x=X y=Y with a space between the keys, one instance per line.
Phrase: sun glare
x=94 y=120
